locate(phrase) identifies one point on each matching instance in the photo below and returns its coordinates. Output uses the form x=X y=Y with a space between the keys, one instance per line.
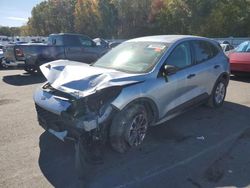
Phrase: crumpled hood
x=79 y=79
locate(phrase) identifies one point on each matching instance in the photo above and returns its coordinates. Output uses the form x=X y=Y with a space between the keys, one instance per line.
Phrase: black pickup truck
x=74 y=47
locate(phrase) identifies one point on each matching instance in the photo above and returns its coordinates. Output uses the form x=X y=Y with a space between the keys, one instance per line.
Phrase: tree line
x=131 y=18
x=10 y=31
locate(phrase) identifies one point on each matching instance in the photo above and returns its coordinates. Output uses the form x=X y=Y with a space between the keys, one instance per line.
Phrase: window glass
x=85 y=41
x=181 y=56
x=133 y=57
x=214 y=49
x=243 y=47
x=204 y=51
x=71 y=40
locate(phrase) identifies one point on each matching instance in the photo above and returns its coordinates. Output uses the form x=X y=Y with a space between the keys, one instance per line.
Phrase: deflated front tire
x=128 y=128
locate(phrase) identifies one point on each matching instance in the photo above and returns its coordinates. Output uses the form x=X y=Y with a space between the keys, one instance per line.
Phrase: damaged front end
x=84 y=120
x=87 y=116
x=76 y=102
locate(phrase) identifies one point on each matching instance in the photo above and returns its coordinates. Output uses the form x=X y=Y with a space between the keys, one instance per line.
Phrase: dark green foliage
x=9 y=31
x=130 y=18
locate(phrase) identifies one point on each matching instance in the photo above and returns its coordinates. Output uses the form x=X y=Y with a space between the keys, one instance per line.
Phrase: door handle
x=216 y=66
x=191 y=76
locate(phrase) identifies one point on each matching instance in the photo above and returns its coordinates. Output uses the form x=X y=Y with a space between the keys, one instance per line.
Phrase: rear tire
x=128 y=128
x=218 y=95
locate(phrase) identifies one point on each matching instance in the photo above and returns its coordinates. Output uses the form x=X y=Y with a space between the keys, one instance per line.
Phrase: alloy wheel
x=137 y=129
x=220 y=93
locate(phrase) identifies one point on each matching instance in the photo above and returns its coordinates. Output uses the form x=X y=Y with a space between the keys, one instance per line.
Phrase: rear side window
x=243 y=47
x=204 y=51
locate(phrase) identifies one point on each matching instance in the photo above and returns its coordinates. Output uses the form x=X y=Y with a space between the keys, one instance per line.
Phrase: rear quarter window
x=204 y=51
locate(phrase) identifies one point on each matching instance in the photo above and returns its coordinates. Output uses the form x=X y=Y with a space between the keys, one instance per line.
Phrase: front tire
x=218 y=95
x=129 y=127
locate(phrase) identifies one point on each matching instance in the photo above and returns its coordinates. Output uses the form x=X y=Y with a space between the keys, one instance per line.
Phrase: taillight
x=19 y=52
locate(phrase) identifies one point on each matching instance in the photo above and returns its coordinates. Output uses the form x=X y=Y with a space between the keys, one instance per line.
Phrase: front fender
x=135 y=94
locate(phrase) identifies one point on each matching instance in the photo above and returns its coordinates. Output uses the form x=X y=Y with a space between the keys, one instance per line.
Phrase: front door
x=173 y=91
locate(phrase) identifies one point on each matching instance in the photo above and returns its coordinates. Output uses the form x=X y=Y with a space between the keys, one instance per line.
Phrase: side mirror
x=169 y=70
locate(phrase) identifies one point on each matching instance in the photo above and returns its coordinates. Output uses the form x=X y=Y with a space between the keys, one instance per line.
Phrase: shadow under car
x=181 y=154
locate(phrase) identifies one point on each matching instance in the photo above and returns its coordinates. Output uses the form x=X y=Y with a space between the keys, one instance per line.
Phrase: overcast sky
x=15 y=13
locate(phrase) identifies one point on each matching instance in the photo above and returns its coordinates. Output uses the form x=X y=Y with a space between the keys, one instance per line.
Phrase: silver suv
x=140 y=83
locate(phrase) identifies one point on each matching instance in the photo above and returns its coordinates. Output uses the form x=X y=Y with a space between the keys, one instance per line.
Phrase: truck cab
x=76 y=47
x=68 y=46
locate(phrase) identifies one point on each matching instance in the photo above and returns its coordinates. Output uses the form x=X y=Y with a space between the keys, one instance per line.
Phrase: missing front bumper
x=75 y=128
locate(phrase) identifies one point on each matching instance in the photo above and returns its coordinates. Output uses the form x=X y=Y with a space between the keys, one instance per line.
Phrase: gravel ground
x=201 y=148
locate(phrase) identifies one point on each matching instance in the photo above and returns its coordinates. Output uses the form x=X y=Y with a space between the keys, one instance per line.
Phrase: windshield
x=133 y=57
x=243 y=47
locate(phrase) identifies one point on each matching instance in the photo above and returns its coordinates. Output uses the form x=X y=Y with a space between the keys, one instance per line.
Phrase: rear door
x=203 y=74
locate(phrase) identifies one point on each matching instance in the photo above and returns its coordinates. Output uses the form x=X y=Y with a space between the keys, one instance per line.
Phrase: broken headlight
x=94 y=103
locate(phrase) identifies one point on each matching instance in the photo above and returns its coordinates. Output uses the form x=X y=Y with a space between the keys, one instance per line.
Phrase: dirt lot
x=201 y=148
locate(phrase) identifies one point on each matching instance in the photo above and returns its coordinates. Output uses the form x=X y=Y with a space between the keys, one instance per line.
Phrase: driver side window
x=180 y=56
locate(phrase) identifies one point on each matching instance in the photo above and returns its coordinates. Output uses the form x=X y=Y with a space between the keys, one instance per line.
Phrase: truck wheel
x=129 y=128
x=218 y=95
